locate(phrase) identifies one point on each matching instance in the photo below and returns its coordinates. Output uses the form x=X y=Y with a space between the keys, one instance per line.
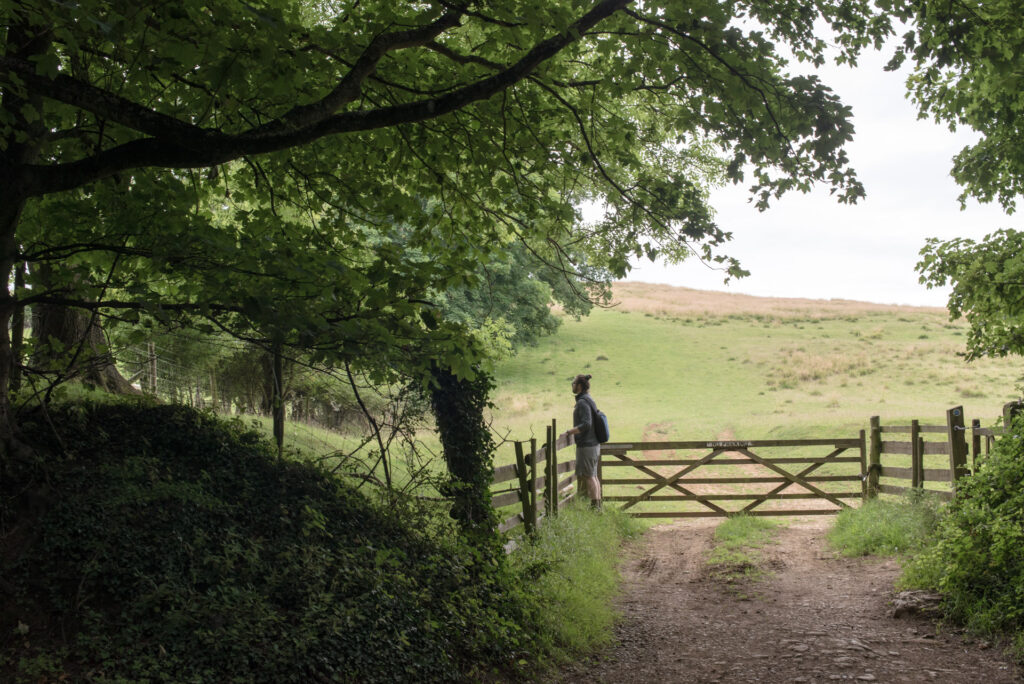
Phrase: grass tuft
x=735 y=553
x=886 y=527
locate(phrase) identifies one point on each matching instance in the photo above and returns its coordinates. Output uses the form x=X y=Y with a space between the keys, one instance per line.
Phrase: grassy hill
x=671 y=363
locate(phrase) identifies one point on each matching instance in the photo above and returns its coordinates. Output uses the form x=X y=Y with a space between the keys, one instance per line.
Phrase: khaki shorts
x=586 y=460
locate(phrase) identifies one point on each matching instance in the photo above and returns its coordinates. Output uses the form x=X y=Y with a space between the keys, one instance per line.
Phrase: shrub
x=886 y=527
x=977 y=558
x=155 y=543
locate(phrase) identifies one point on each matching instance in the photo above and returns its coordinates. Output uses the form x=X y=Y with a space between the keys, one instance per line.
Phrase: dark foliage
x=459 y=405
x=155 y=543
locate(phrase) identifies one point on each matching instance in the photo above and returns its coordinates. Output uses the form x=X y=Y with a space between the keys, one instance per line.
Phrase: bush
x=155 y=543
x=976 y=560
x=887 y=527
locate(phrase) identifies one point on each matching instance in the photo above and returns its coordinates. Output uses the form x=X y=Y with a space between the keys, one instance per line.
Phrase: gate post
x=916 y=455
x=975 y=441
x=549 y=471
x=957 y=444
x=554 y=467
x=875 y=456
x=863 y=467
x=533 y=478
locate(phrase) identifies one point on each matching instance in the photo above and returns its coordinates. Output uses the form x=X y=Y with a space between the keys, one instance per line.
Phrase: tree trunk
x=71 y=341
x=11 y=206
x=459 y=406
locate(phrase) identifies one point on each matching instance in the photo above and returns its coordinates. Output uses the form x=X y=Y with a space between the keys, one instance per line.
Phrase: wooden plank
x=711 y=514
x=510 y=524
x=738 y=480
x=505 y=499
x=505 y=473
x=890 y=489
x=937 y=475
x=935 y=429
x=845 y=442
x=567 y=482
x=990 y=432
x=898 y=448
x=735 y=497
x=564 y=501
x=941 y=429
x=894 y=428
x=936 y=448
x=731 y=461
x=566 y=466
x=901 y=473
x=565 y=440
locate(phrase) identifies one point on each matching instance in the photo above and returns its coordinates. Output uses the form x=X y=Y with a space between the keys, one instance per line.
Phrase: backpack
x=600 y=423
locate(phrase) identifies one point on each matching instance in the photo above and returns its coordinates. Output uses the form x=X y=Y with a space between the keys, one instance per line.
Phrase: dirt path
x=814 y=618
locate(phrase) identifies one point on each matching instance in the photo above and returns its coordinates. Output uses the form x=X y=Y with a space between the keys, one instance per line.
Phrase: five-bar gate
x=725 y=478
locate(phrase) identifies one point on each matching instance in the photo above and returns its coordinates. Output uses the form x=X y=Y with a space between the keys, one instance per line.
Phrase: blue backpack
x=600 y=423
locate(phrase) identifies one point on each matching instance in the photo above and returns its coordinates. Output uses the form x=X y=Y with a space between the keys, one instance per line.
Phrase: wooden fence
x=938 y=455
x=531 y=489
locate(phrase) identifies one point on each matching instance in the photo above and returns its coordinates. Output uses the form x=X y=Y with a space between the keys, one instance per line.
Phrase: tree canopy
x=234 y=165
x=968 y=72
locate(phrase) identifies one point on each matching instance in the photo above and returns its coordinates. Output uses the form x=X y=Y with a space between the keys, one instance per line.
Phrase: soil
x=810 y=616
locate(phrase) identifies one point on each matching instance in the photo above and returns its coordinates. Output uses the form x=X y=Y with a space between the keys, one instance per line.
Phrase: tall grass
x=570 y=568
x=887 y=527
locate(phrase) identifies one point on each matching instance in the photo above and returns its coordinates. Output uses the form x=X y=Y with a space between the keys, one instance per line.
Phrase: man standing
x=588 y=449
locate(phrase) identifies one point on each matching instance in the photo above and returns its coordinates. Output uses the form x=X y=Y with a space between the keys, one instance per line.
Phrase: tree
x=968 y=72
x=988 y=288
x=480 y=125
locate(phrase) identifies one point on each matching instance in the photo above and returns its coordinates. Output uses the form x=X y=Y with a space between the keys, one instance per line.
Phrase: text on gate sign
x=722 y=445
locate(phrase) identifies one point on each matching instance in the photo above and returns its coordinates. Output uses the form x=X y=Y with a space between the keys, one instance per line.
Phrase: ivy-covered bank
x=155 y=543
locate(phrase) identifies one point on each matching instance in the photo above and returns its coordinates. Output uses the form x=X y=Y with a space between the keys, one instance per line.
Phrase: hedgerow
x=155 y=543
x=976 y=560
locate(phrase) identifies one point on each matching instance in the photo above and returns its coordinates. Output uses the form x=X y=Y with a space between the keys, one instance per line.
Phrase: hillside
x=675 y=363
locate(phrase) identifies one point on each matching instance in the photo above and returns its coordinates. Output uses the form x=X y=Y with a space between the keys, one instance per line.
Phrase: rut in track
x=814 y=617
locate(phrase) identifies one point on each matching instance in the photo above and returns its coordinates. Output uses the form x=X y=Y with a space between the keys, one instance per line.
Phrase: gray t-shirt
x=583 y=418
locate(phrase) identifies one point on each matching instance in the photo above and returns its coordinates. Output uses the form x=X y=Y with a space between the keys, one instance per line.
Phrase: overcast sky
x=812 y=246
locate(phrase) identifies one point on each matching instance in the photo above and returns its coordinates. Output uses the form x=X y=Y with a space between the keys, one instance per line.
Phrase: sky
x=813 y=247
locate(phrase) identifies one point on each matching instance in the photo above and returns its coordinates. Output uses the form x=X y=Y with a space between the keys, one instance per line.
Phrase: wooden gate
x=681 y=487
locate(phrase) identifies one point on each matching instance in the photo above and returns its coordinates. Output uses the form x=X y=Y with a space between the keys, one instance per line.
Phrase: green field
x=671 y=364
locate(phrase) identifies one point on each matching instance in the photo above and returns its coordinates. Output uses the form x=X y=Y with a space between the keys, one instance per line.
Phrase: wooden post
x=554 y=467
x=874 y=456
x=152 y=368
x=863 y=466
x=533 y=478
x=957 y=443
x=916 y=457
x=549 y=472
x=975 y=441
x=524 y=490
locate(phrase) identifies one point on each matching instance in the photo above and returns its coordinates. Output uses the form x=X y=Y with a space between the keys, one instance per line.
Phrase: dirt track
x=814 y=618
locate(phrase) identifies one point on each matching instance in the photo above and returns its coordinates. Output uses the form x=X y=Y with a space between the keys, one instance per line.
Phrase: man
x=588 y=449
